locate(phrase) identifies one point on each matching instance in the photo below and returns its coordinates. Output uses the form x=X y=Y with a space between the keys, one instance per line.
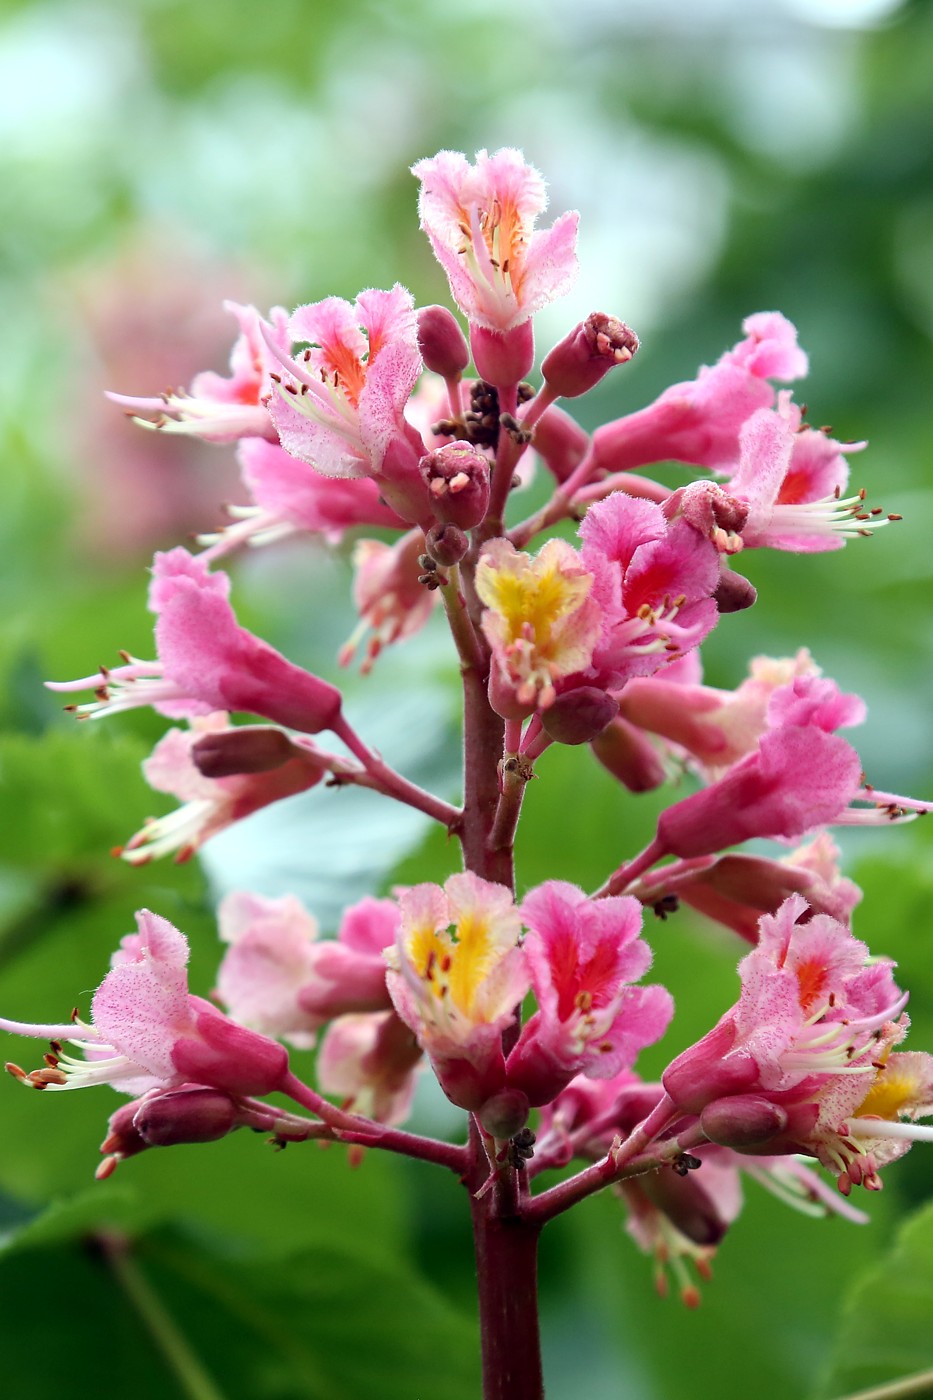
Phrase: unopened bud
x=560 y=442
x=579 y=716
x=457 y=479
x=742 y=1121
x=505 y=1113
x=589 y=352
x=442 y=343
x=252 y=748
x=630 y=756
x=187 y=1115
x=446 y=544
x=735 y=593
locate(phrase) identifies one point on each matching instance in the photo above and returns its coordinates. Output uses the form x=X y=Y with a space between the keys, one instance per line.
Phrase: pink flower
x=219 y=409
x=222 y=773
x=169 y=1117
x=653 y=581
x=279 y=978
x=540 y=621
x=290 y=497
x=583 y=955
x=814 y=1009
x=455 y=977
x=340 y=405
x=700 y=421
x=392 y=601
x=480 y=221
x=370 y=1061
x=786 y=492
x=206 y=660
x=147 y=1031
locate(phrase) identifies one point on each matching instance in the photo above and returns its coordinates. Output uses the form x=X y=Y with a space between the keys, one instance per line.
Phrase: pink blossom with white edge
x=206 y=660
x=211 y=804
x=455 y=977
x=220 y=409
x=392 y=602
x=370 y=1061
x=291 y=498
x=814 y=1010
x=699 y=421
x=583 y=956
x=480 y=222
x=279 y=977
x=147 y=1030
x=786 y=493
x=340 y=405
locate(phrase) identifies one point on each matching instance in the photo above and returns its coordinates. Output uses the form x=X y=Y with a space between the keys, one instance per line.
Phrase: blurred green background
x=156 y=157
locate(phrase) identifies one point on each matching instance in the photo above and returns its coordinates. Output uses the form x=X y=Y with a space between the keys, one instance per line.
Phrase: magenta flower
x=583 y=956
x=219 y=409
x=653 y=581
x=206 y=660
x=147 y=1031
x=390 y=598
x=480 y=221
x=700 y=421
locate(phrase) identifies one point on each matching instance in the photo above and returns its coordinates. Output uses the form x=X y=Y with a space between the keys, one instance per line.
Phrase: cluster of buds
x=349 y=416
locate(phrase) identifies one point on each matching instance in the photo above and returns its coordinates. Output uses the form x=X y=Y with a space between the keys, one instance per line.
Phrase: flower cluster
x=364 y=415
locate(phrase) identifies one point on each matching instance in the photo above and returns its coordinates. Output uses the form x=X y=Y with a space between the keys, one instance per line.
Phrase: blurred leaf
x=313 y=1325
x=885 y=1333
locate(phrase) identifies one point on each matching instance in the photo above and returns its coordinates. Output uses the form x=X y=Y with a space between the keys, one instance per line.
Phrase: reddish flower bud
x=579 y=715
x=735 y=592
x=185 y=1115
x=446 y=544
x=249 y=749
x=442 y=343
x=629 y=756
x=591 y=350
x=457 y=479
x=742 y=1121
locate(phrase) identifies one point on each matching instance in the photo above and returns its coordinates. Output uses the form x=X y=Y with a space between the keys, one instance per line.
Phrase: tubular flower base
x=526 y=1004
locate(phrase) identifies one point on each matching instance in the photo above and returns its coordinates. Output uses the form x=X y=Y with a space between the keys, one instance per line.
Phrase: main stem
x=506 y=1250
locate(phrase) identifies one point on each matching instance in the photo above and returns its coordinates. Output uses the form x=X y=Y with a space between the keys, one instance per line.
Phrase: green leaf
x=885 y=1333
x=185 y=1319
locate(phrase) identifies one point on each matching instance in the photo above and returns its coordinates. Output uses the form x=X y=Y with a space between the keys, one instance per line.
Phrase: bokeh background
x=155 y=157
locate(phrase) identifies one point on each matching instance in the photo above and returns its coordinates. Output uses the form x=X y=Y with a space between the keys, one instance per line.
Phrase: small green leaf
x=885 y=1332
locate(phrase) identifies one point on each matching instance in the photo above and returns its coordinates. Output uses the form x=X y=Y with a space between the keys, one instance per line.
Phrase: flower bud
x=579 y=716
x=442 y=343
x=503 y=358
x=250 y=749
x=629 y=756
x=186 y=1115
x=742 y=1121
x=590 y=351
x=446 y=544
x=560 y=442
x=505 y=1114
x=457 y=479
x=734 y=593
